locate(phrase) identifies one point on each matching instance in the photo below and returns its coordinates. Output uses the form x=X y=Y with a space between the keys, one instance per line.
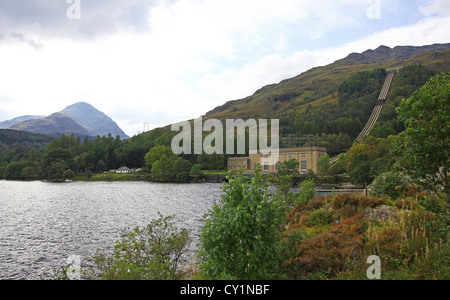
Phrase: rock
x=381 y=213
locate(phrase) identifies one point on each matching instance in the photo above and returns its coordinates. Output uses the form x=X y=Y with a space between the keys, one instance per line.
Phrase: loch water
x=43 y=224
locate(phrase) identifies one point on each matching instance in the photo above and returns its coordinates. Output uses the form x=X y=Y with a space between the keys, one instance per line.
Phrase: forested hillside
x=325 y=106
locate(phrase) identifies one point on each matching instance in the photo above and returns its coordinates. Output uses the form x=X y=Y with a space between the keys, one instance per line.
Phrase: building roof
x=123 y=169
x=301 y=149
x=239 y=158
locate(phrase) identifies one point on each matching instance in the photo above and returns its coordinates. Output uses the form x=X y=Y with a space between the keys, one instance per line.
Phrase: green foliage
x=55 y=162
x=334 y=143
x=323 y=165
x=212 y=162
x=423 y=149
x=368 y=159
x=14 y=137
x=286 y=176
x=306 y=192
x=171 y=169
x=69 y=174
x=2 y=171
x=391 y=184
x=289 y=167
x=196 y=171
x=241 y=238
x=22 y=170
x=163 y=170
x=408 y=80
x=157 y=153
x=320 y=217
x=364 y=84
x=18 y=146
x=182 y=169
x=166 y=166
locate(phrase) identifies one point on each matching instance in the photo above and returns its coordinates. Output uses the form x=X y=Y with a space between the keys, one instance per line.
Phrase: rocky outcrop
x=381 y=213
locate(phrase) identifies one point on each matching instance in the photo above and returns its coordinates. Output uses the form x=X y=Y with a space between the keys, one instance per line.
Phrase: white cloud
x=195 y=55
x=436 y=7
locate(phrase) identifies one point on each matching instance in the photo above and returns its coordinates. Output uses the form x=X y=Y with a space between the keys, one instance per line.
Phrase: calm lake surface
x=42 y=224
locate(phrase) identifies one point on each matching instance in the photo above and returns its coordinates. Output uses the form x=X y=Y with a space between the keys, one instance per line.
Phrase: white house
x=124 y=170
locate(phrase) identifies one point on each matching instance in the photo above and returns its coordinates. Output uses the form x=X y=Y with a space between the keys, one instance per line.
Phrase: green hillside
x=20 y=146
x=318 y=89
x=328 y=106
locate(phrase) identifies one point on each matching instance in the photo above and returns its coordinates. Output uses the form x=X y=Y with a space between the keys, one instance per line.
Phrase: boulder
x=381 y=213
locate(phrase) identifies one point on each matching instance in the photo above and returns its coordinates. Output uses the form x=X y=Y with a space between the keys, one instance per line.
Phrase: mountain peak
x=81 y=119
x=95 y=121
x=384 y=54
x=80 y=104
x=53 y=125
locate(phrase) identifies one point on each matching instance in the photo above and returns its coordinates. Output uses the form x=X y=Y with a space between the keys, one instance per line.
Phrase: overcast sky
x=166 y=61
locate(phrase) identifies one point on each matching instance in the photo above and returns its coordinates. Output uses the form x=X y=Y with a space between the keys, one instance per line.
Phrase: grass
x=113 y=177
x=214 y=172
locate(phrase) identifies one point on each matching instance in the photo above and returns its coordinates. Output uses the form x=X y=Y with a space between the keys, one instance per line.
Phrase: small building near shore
x=124 y=170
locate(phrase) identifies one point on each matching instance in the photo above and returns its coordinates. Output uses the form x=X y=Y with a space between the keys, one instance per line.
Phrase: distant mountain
x=81 y=119
x=93 y=120
x=385 y=54
x=9 y=123
x=54 y=125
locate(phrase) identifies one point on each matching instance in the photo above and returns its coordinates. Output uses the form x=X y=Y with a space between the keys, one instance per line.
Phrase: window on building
x=304 y=167
x=303 y=154
x=290 y=155
x=266 y=167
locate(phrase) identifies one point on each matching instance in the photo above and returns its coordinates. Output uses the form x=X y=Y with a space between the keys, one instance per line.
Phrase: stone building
x=308 y=157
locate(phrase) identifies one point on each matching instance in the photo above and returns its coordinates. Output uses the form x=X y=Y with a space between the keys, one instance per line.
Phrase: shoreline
x=323 y=183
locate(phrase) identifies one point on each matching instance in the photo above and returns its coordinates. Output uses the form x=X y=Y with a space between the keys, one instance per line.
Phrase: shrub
x=343 y=200
x=320 y=217
x=151 y=253
x=387 y=243
x=306 y=192
x=197 y=172
x=241 y=238
x=405 y=204
x=328 y=254
x=22 y=170
x=317 y=202
x=345 y=205
x=391 y=184
x=371 y=202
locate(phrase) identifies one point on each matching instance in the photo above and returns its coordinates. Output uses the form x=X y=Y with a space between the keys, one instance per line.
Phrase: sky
x=159 y=62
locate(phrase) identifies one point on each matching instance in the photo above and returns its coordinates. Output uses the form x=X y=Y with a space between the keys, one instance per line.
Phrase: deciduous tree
x=241 y=238
x=424 y=147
